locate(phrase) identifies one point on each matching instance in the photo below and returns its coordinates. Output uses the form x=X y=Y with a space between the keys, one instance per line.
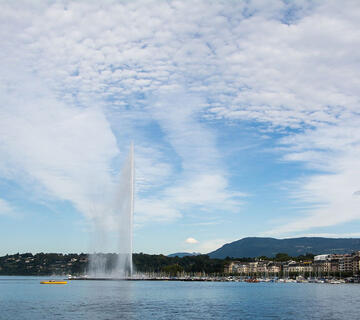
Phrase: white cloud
x=204 y=246
x=242 y=55
x=208 y=246
x=54 y=147
x=6 y=208
x=285 y=65
x=332 y=150
x=205 y=190
x=154 y=209
x=152 y=169
x=191 y=240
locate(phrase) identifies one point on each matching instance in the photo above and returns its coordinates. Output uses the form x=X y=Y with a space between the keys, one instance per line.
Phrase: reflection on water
x=25 y=298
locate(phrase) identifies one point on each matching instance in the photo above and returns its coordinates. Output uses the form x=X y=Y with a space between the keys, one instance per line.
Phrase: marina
x=222 y=279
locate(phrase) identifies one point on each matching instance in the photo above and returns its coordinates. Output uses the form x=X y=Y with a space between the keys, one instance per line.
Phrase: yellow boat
x=54 y=282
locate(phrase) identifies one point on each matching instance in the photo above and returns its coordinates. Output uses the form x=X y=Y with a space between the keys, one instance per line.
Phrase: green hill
x=255 y=247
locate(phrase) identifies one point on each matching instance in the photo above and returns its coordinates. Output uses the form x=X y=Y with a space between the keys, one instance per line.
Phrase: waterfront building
x=346 y=263
x=298 y=267
x=334 y=266
x=232 y=267
x=262 y=267
x=323 y=265
x=322 y=257
x=356 y=263
x=243 y=268
x=253 y=267
x=273 y=267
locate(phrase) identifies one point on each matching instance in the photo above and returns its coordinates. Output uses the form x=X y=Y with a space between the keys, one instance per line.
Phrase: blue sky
x=244 y=115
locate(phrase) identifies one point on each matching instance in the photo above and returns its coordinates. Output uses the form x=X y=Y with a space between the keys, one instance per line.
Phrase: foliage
x=189 y=264
x=282 y=257
x=173 y=269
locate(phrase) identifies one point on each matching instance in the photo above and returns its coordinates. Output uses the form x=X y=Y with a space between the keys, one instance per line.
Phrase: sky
x=244 y=117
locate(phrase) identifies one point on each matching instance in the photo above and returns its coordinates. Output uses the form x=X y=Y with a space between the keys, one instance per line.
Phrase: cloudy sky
x=244 y=116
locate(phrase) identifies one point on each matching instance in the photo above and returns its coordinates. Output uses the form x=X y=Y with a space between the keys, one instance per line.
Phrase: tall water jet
x=125 y=205
x=121 y=208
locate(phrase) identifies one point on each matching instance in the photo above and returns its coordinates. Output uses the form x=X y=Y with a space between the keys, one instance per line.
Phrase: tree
x=282 y=257
x=173 y=269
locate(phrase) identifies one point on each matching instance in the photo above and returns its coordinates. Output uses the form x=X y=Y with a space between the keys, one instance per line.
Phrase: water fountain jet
x=103 y=265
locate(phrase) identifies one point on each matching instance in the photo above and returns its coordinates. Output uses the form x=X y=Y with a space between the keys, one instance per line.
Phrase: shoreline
x=221 y=279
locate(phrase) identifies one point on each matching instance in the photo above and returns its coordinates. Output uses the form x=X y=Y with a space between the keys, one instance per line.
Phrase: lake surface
x=26 y=298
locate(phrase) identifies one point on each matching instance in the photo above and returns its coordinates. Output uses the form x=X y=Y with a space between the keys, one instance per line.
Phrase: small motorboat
x=53 y=282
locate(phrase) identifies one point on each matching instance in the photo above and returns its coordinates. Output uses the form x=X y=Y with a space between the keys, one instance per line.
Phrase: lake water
x=26 y=298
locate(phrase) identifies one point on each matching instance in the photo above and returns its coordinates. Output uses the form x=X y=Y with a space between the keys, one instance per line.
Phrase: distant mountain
x=255 y=247
x=183 y=254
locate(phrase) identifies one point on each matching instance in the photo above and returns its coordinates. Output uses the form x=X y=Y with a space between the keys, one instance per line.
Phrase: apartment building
x=325 y=264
